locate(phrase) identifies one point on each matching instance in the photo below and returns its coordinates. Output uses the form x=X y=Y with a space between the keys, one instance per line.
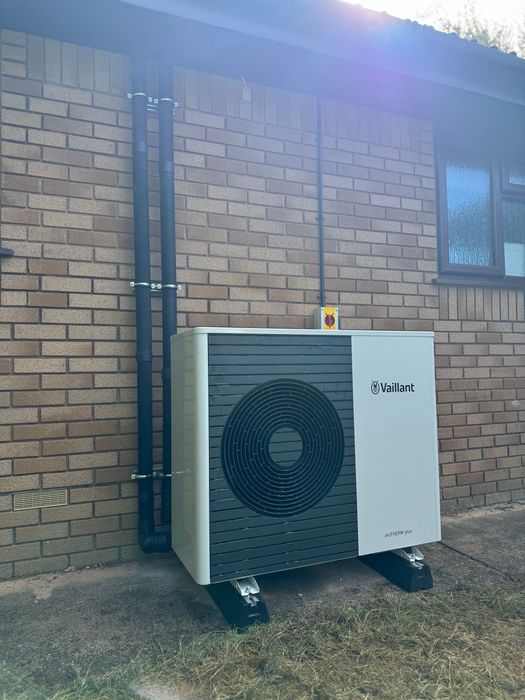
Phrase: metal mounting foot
x=405 y=568
x=240 y=601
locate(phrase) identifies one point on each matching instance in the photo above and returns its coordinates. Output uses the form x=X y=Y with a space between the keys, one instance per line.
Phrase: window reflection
x=514 y=237
x=517 y=174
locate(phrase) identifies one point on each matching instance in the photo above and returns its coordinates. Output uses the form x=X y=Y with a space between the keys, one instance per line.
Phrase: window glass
x=469 y=210
x=516 y=174
x=514 y=237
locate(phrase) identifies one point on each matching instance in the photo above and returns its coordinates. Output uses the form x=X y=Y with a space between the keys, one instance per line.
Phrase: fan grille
x=282 y=487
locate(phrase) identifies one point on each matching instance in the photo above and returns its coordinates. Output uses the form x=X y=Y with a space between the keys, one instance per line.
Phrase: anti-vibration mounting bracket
x=405 y=568
x=240 y=601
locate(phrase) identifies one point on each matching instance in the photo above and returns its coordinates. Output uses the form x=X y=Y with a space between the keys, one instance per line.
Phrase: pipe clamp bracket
x=153 y=102
x=168 y=99
x=154 y=286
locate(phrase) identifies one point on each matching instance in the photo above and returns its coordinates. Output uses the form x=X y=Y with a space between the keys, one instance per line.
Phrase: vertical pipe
x=320 y=210
x=149 y=540
x=169 y=270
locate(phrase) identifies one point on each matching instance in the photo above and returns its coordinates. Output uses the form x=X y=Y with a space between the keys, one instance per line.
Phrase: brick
x=22 y=449
x=66 y=545
x=66 y=94
x=97 y=493
x=64 y=447
x=45 y=106
x=63 y=480
x=69 y=317
x=21 y=86
x=23 y=183
x=97 y=556
x=66 y=284
x=92 y=145
x=38 y=432
x=93 y=364
x=67 y=126
x=203 y=119
x=66 y=381
x=35 y=533
x=18 y=483
x=67 y=189
x=47 y=299
x=15 y=518
x=68 y=348
x=39 y=332
x=92 y=270
x=122 y=505
x=82 y=221
x=92 y=114
x=18 y=415
x=98 y=301
x=48 y=267
x=40 y=365
x=40 y=398
x=40 y=201
x=71 y=512
x=40 y=566
x=98 y=459
x=95 y=525
x=16 y=552
x=46 y=138
x=6 y=537
x=38 y=465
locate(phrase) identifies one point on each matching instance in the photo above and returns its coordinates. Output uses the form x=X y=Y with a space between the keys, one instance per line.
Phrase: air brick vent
x=40 y=499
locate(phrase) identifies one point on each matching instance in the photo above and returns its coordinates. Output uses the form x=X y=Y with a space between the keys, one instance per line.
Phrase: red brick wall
x=247 y=240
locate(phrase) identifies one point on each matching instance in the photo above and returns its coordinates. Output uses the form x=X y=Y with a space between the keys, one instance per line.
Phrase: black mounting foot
x=403 y=567
x=240 y=602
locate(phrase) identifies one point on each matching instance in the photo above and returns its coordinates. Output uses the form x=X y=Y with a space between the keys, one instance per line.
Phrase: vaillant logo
x=392 y=388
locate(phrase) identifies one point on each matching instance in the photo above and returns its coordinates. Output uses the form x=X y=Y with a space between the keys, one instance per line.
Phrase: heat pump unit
x=293 y=448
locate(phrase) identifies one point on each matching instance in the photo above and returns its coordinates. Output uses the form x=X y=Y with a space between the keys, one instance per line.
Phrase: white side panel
x=395 y=441
x=190 y=474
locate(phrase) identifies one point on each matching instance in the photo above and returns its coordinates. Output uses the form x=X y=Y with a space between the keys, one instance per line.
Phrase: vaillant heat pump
x=293 y=448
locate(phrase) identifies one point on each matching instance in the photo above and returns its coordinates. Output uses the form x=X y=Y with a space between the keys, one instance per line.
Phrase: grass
x=460 y=645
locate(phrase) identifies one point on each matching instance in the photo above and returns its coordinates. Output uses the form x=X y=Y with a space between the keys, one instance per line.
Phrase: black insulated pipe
x=320 y=209
x=149 y=539
x=169 y=272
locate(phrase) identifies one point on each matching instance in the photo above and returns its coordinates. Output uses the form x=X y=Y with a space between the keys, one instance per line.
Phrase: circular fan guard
x=255 y=478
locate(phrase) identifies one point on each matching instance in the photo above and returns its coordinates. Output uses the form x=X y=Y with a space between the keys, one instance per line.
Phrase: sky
x=502 y=11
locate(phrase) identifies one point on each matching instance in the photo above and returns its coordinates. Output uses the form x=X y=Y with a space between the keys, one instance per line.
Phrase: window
x=482 y=217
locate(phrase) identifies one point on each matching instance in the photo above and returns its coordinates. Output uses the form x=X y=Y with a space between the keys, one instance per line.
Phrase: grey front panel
x=272 y=527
